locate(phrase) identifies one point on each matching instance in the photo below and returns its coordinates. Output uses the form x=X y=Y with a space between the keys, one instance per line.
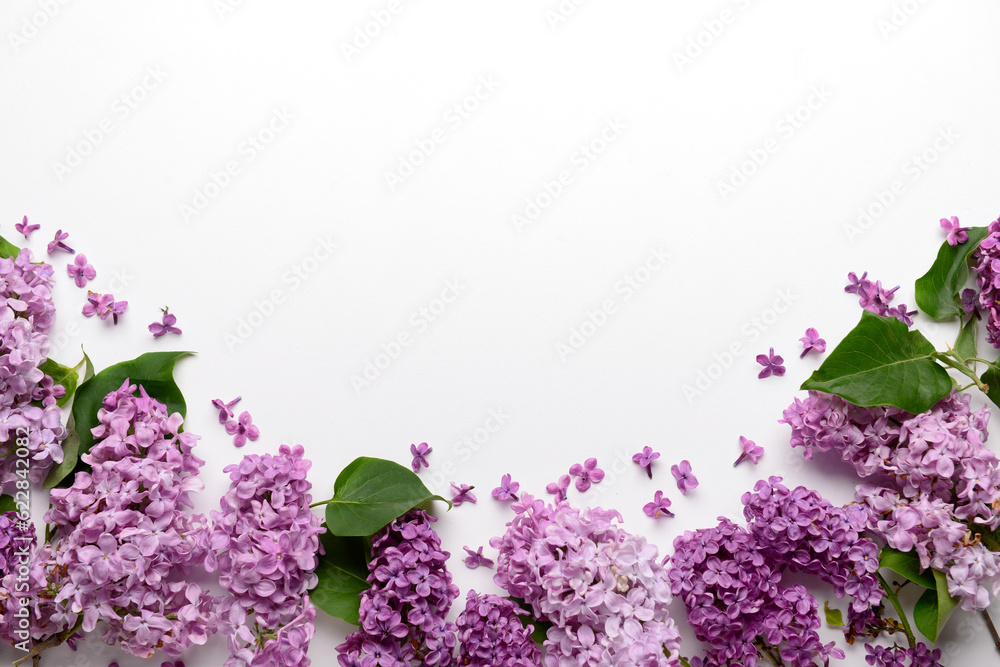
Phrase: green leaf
x=833 y=616
x=938 y=289
x=991 y=378
x=906 y=564
x=369 y=493
x=965 y=344
x=342 y=573
x=934 y=608
x=7 y=504
x=63 y=376
x=153 y=370
x=8 y=249
x=882 y=362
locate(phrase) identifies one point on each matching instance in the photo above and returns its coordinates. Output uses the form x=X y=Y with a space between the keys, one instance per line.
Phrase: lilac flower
x=901 y=314
x=507 y=489
x=970 y=299
x=645 y=459
x=25 y=228
x=57 y=243
x=956 y=234
x=242 y=429
x=854 y=283
x=685 y=480
x=165 y=326
x=659 y=506
x=225 y=409
x=491 y=634
x=420 y=453
x=559 y=488
x=751 y=449
x=772 y=364
x=103 y=305
x=463 y=494
x=476 y=558
x=812 y=341
x=80 y=271
x=588 y=473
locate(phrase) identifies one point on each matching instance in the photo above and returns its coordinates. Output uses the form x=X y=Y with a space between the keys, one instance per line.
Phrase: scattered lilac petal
x=645 y=459
x=751 y=449
x=242 y=429
x=225 y=409
x=420 y=453
x=812 y=341
x=25 y=228
x=588 y=473
x=57 y=243
x=685 y=480
x=476 y=559
x=660 y=505
x=507 y=489
x=772 y=364
x=463 y=494
x=165 y=326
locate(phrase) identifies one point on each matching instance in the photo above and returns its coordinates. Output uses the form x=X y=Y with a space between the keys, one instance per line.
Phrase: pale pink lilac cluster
x=986 y=263
x=264 y=544
x=875 y=298
x=491 y=634
x=934 y=486
x=125 y=541
x=604 y=590
x=729 y=577
x=29 y=415
x=402 y=615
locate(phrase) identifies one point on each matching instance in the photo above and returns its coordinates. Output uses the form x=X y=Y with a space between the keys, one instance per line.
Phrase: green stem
x=961 y=368
x=982 y=361
x=322 y=502
x=894 y=599
x=54 y=640
x=992 y=628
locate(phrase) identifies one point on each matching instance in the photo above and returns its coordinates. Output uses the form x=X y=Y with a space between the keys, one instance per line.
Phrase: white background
x=119 y=117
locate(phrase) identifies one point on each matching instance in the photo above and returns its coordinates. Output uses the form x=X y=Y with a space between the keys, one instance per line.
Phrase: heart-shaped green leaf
x=834 y=618
x=8 y=249
x=369 y=493
x=906 y=564
x=938 y=289
x=882 y=362
x=934 y=608
x=342 y=573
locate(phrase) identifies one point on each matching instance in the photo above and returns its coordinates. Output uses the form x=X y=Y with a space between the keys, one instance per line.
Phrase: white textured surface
x=279 y=142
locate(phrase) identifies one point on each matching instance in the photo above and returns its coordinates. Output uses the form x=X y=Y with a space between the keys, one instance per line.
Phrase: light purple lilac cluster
x=17 y=546
x=27 y=395
x=730 y=577
x=934 y=485
x=897 y=656
x=491 y=634
x=875 y=298
x=402 y=616
x=604 y=590
x=264 y=544
x=125 y=542
x=986 y=263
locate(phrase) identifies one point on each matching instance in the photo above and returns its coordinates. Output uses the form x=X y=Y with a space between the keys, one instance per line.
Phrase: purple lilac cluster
x=934 y=485
x=604 y=590
x=730 y=577
x=17 y=546
x=125 y=542
x=402 y=615
x=264 y=544
x=875 y=298
x=897 y=656
x=986 y=260
x=491 y=634
x=27 y=395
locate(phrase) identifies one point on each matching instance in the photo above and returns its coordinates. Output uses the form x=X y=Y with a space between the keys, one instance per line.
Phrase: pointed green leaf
x=833 y=616
x=8 y=249
x=342 y=573
x=906 y=564
x=938 y=289
x=7 y=504
x=882 y=362
x=64 y=376
x=965 y=344
x=934 y=608
x=991 y=378
x=153 y=370
x=369 y=493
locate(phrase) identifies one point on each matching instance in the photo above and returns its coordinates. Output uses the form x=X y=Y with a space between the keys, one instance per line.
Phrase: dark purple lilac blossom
x=462 y=494
x=604 y=590
x=264 y=544
x=507 y=489
x=57 y=243
x=419 y=453
x=242 y=429
x=645 y=459
x=225 y=409
x=956 y=233
x=933 y=483
x=919 y=656
x=970 y=302
x=165 y=325
x=811 y=341
x=686 y=481
x=403 y=613
x=875 y=298
x=750 y=449
x=490 y=634
x=659 y=507
x=80 y=271
x=986 y=264
x=772 y=364
x=25 y=228
x=586 y=474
